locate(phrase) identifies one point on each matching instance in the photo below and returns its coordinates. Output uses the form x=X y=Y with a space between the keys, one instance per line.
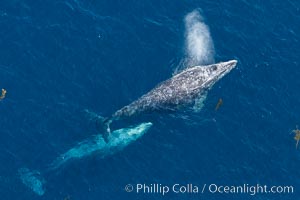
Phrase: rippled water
x=58 y=58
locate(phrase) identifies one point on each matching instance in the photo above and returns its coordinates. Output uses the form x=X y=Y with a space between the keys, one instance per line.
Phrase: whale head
x=210 y=74
x=125 y=136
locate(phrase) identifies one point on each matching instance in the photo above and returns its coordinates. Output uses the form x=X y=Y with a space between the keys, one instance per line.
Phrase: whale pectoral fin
x=102 y=123
x=92 y=116
x=199 y=102
x=103 y=126
x=107 y=131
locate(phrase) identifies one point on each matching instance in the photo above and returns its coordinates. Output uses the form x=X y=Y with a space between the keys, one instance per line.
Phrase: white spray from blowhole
x=199 y=46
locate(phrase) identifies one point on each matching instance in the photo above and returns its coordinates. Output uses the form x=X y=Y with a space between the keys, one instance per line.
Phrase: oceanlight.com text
x=164 y=189
x=250 y=189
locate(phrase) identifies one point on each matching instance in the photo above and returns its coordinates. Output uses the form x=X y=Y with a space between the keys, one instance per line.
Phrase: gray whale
x=180 y=90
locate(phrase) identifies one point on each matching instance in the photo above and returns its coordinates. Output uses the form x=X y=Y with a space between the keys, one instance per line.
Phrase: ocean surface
x=59 y=58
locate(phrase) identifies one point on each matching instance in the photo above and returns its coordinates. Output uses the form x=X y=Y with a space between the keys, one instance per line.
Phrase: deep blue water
x=58 y=58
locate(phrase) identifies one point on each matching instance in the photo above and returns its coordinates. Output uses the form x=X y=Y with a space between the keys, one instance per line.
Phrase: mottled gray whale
x=180 y=90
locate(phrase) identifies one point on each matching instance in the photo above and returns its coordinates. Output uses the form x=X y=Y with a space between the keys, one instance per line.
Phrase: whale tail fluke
x=33 y=180
x=102 y=123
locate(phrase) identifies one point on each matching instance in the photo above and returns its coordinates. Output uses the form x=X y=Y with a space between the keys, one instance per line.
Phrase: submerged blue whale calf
x=180 y=90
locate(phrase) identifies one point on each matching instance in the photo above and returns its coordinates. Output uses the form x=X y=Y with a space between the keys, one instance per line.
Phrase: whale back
x=178 y=91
